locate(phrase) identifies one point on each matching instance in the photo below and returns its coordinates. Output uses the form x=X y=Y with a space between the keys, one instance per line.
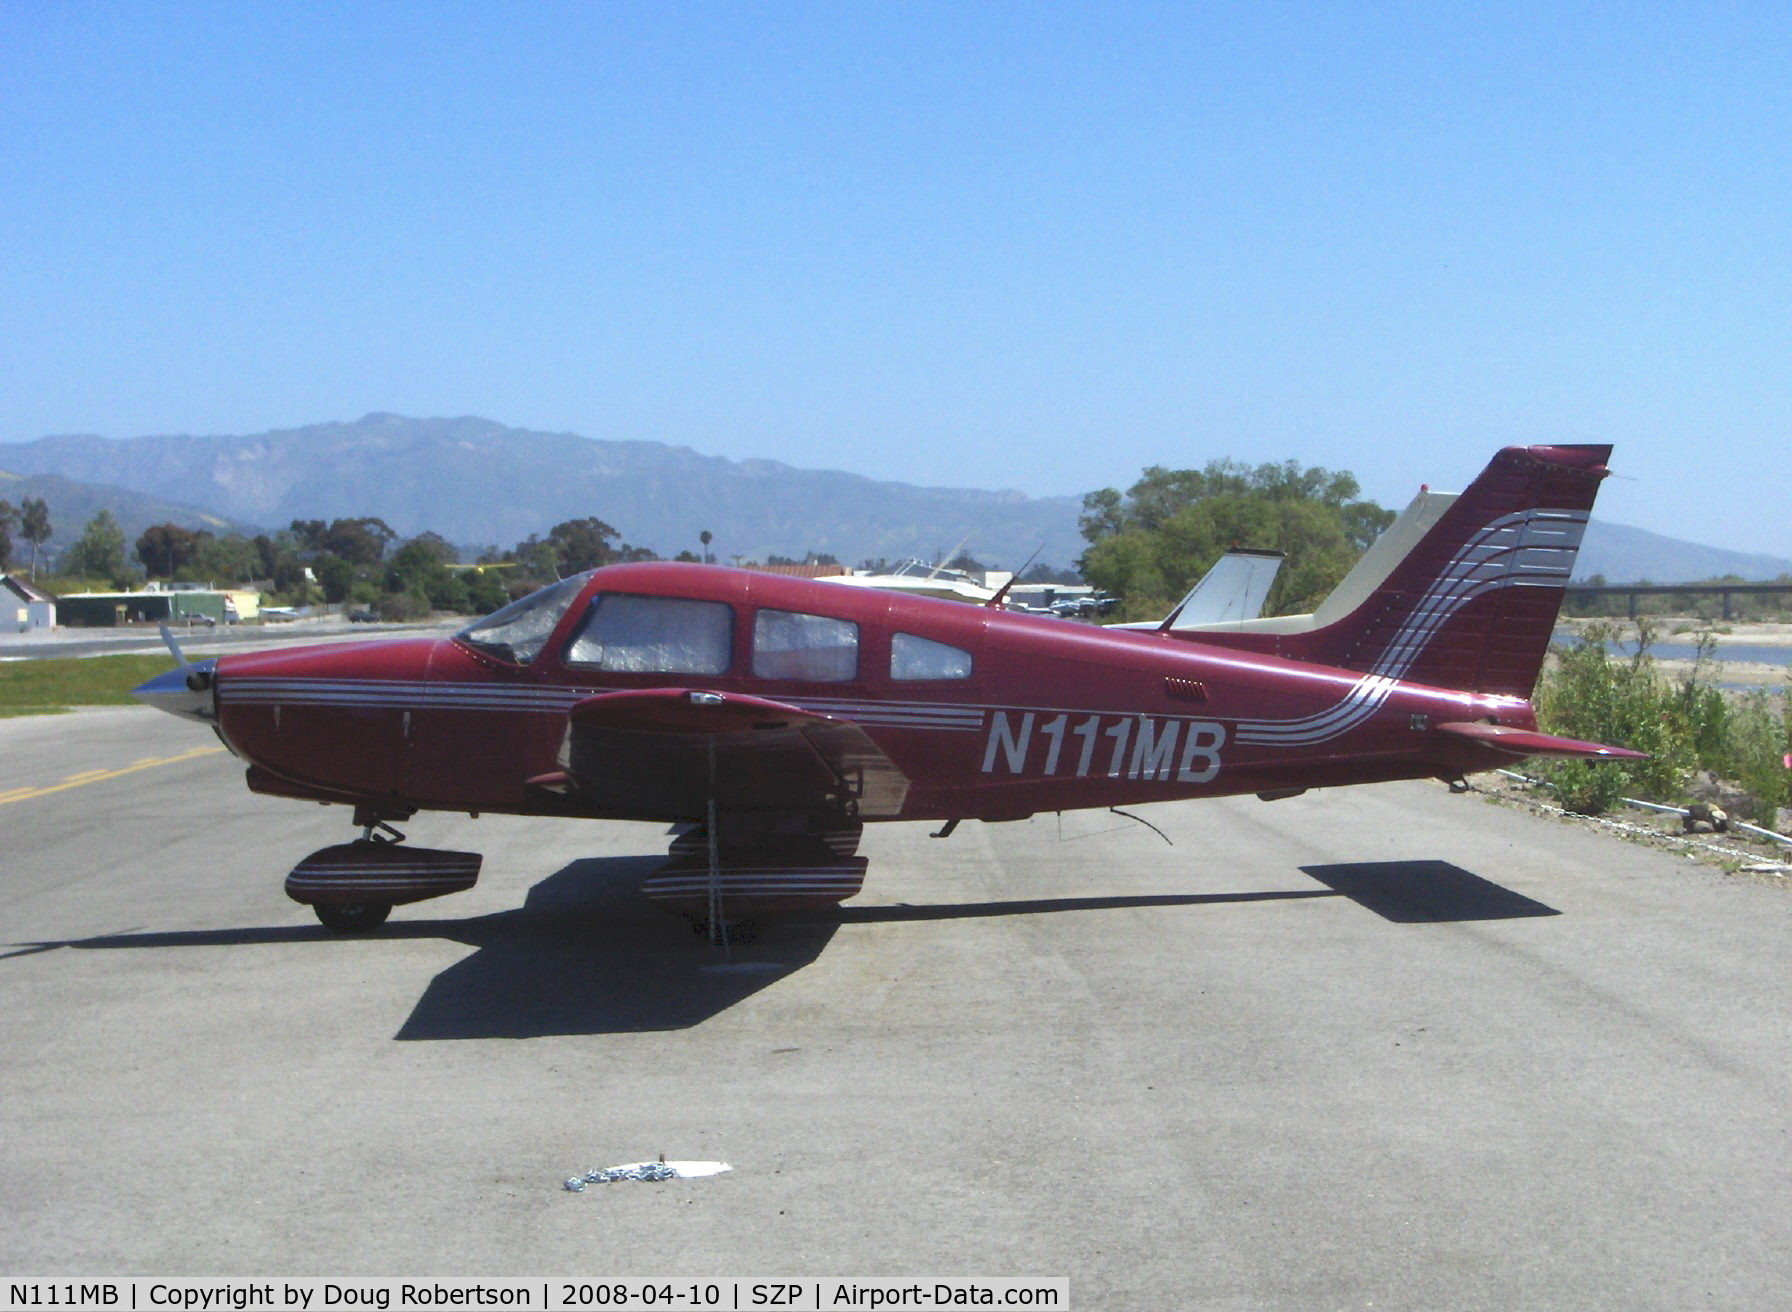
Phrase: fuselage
x=988 y=714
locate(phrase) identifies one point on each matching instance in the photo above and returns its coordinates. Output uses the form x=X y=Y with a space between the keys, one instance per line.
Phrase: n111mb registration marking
x=1136 y=747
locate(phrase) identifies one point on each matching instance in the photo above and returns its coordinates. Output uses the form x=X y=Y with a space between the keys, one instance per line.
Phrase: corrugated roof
x=802 y=571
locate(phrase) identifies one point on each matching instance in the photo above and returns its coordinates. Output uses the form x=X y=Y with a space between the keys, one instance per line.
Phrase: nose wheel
x=352 y=887
x=352 y=917
x=360 y=917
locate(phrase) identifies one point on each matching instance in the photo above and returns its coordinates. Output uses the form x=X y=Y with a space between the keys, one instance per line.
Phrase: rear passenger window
x=923 y=658
x=653 y=635
x=815 y=648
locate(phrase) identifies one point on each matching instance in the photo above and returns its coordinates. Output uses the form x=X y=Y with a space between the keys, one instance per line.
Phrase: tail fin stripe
x=1501 y=555
x=1358 y=704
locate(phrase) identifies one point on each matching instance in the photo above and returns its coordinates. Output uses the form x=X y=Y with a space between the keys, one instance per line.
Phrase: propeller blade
x=173 y=646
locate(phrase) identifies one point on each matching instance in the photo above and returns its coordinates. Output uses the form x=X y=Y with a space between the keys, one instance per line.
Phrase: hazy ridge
x=72 y=503
x=475 y=481
x=479 y=482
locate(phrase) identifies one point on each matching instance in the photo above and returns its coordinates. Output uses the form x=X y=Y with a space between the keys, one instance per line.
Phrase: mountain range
x=478 y=482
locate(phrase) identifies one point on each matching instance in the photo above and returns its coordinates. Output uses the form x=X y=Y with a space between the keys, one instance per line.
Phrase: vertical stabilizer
x=1472 y=604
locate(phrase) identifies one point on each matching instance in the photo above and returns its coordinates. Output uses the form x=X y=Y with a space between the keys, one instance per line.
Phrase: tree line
x=1146 y=546
x=358 y=560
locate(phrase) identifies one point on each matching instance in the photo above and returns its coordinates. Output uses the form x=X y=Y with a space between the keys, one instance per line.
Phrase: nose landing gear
x=352 y=887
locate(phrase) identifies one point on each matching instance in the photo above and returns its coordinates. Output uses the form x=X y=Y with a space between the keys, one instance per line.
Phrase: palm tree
x=706 y=537
x=34 y=527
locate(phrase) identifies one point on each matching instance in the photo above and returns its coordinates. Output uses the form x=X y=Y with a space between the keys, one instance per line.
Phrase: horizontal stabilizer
x=1528 y=742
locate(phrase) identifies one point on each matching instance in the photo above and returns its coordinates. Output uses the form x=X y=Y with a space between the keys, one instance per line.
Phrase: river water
x=1727 y=654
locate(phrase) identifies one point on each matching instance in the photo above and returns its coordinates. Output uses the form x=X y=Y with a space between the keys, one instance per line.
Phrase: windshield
x=519 y=631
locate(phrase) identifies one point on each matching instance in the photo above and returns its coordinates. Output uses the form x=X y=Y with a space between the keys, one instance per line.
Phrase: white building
x=24 y=606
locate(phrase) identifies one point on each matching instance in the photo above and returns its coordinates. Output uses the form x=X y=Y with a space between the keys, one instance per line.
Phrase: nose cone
x=186 y=690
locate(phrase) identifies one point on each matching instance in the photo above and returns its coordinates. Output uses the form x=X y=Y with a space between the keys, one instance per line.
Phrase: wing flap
x=668 y=751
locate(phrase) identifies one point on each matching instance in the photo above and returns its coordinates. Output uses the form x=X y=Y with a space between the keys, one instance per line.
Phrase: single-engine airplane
x=774 y=717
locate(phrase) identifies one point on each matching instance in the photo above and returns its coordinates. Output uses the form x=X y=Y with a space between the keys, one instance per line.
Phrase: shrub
x=1588 y=693
x=1684 y=726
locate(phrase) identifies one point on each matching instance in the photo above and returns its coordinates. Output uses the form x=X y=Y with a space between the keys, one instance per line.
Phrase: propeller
x=173 y=645
x=186 y=690
x=198 y=677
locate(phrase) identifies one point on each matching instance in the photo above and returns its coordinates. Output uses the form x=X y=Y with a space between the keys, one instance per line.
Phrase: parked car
x=363 y=616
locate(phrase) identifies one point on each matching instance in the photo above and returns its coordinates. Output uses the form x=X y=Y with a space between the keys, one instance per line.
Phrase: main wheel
x=352 y=917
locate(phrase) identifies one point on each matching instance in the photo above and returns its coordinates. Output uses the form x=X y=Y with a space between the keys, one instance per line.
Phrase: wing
x=666 y=751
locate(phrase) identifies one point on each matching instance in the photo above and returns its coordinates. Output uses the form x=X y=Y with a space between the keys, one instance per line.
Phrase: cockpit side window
x=518 y=632
x=913 y=657
x=813 y=648
x=631 y=634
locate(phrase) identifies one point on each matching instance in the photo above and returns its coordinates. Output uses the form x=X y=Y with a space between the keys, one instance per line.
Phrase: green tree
x=581 y=544
x=277 y=563
x=99 y=551
x=166 y=548
x=1104 y=515
x=485 y=590
x=8 y=517
x=1149 y=546
x=420 y=569
x=34 y=527
x=335 y=576
x=536 y=559
x=438 y=546
x=413 y=564
x=225 y=560
x=359 y=541
x=309 y=534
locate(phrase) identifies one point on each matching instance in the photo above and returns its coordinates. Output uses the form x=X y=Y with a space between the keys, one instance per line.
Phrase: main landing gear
x=758 y=867
x=352 y=887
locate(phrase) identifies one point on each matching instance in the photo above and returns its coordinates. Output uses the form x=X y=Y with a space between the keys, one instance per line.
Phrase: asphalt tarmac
x=1378 y=1047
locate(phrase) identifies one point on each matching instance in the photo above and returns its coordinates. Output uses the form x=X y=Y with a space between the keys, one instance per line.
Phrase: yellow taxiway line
x=97 y=776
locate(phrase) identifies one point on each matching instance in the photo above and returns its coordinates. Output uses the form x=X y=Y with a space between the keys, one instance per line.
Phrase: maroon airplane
x=775 y=716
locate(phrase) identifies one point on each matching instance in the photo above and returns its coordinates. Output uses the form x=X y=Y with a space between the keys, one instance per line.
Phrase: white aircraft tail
x=1233 y=591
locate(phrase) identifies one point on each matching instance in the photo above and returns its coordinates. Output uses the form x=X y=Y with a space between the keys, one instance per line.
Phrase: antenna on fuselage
x=995 y=602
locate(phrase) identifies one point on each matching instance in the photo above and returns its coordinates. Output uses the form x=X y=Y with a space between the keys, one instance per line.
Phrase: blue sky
x=1034 y=246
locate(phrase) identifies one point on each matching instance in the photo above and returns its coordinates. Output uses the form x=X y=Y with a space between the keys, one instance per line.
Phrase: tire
x=353 y=917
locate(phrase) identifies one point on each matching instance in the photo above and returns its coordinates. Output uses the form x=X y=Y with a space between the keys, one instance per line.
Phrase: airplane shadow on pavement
x=1425 y=892
x=587 y=954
